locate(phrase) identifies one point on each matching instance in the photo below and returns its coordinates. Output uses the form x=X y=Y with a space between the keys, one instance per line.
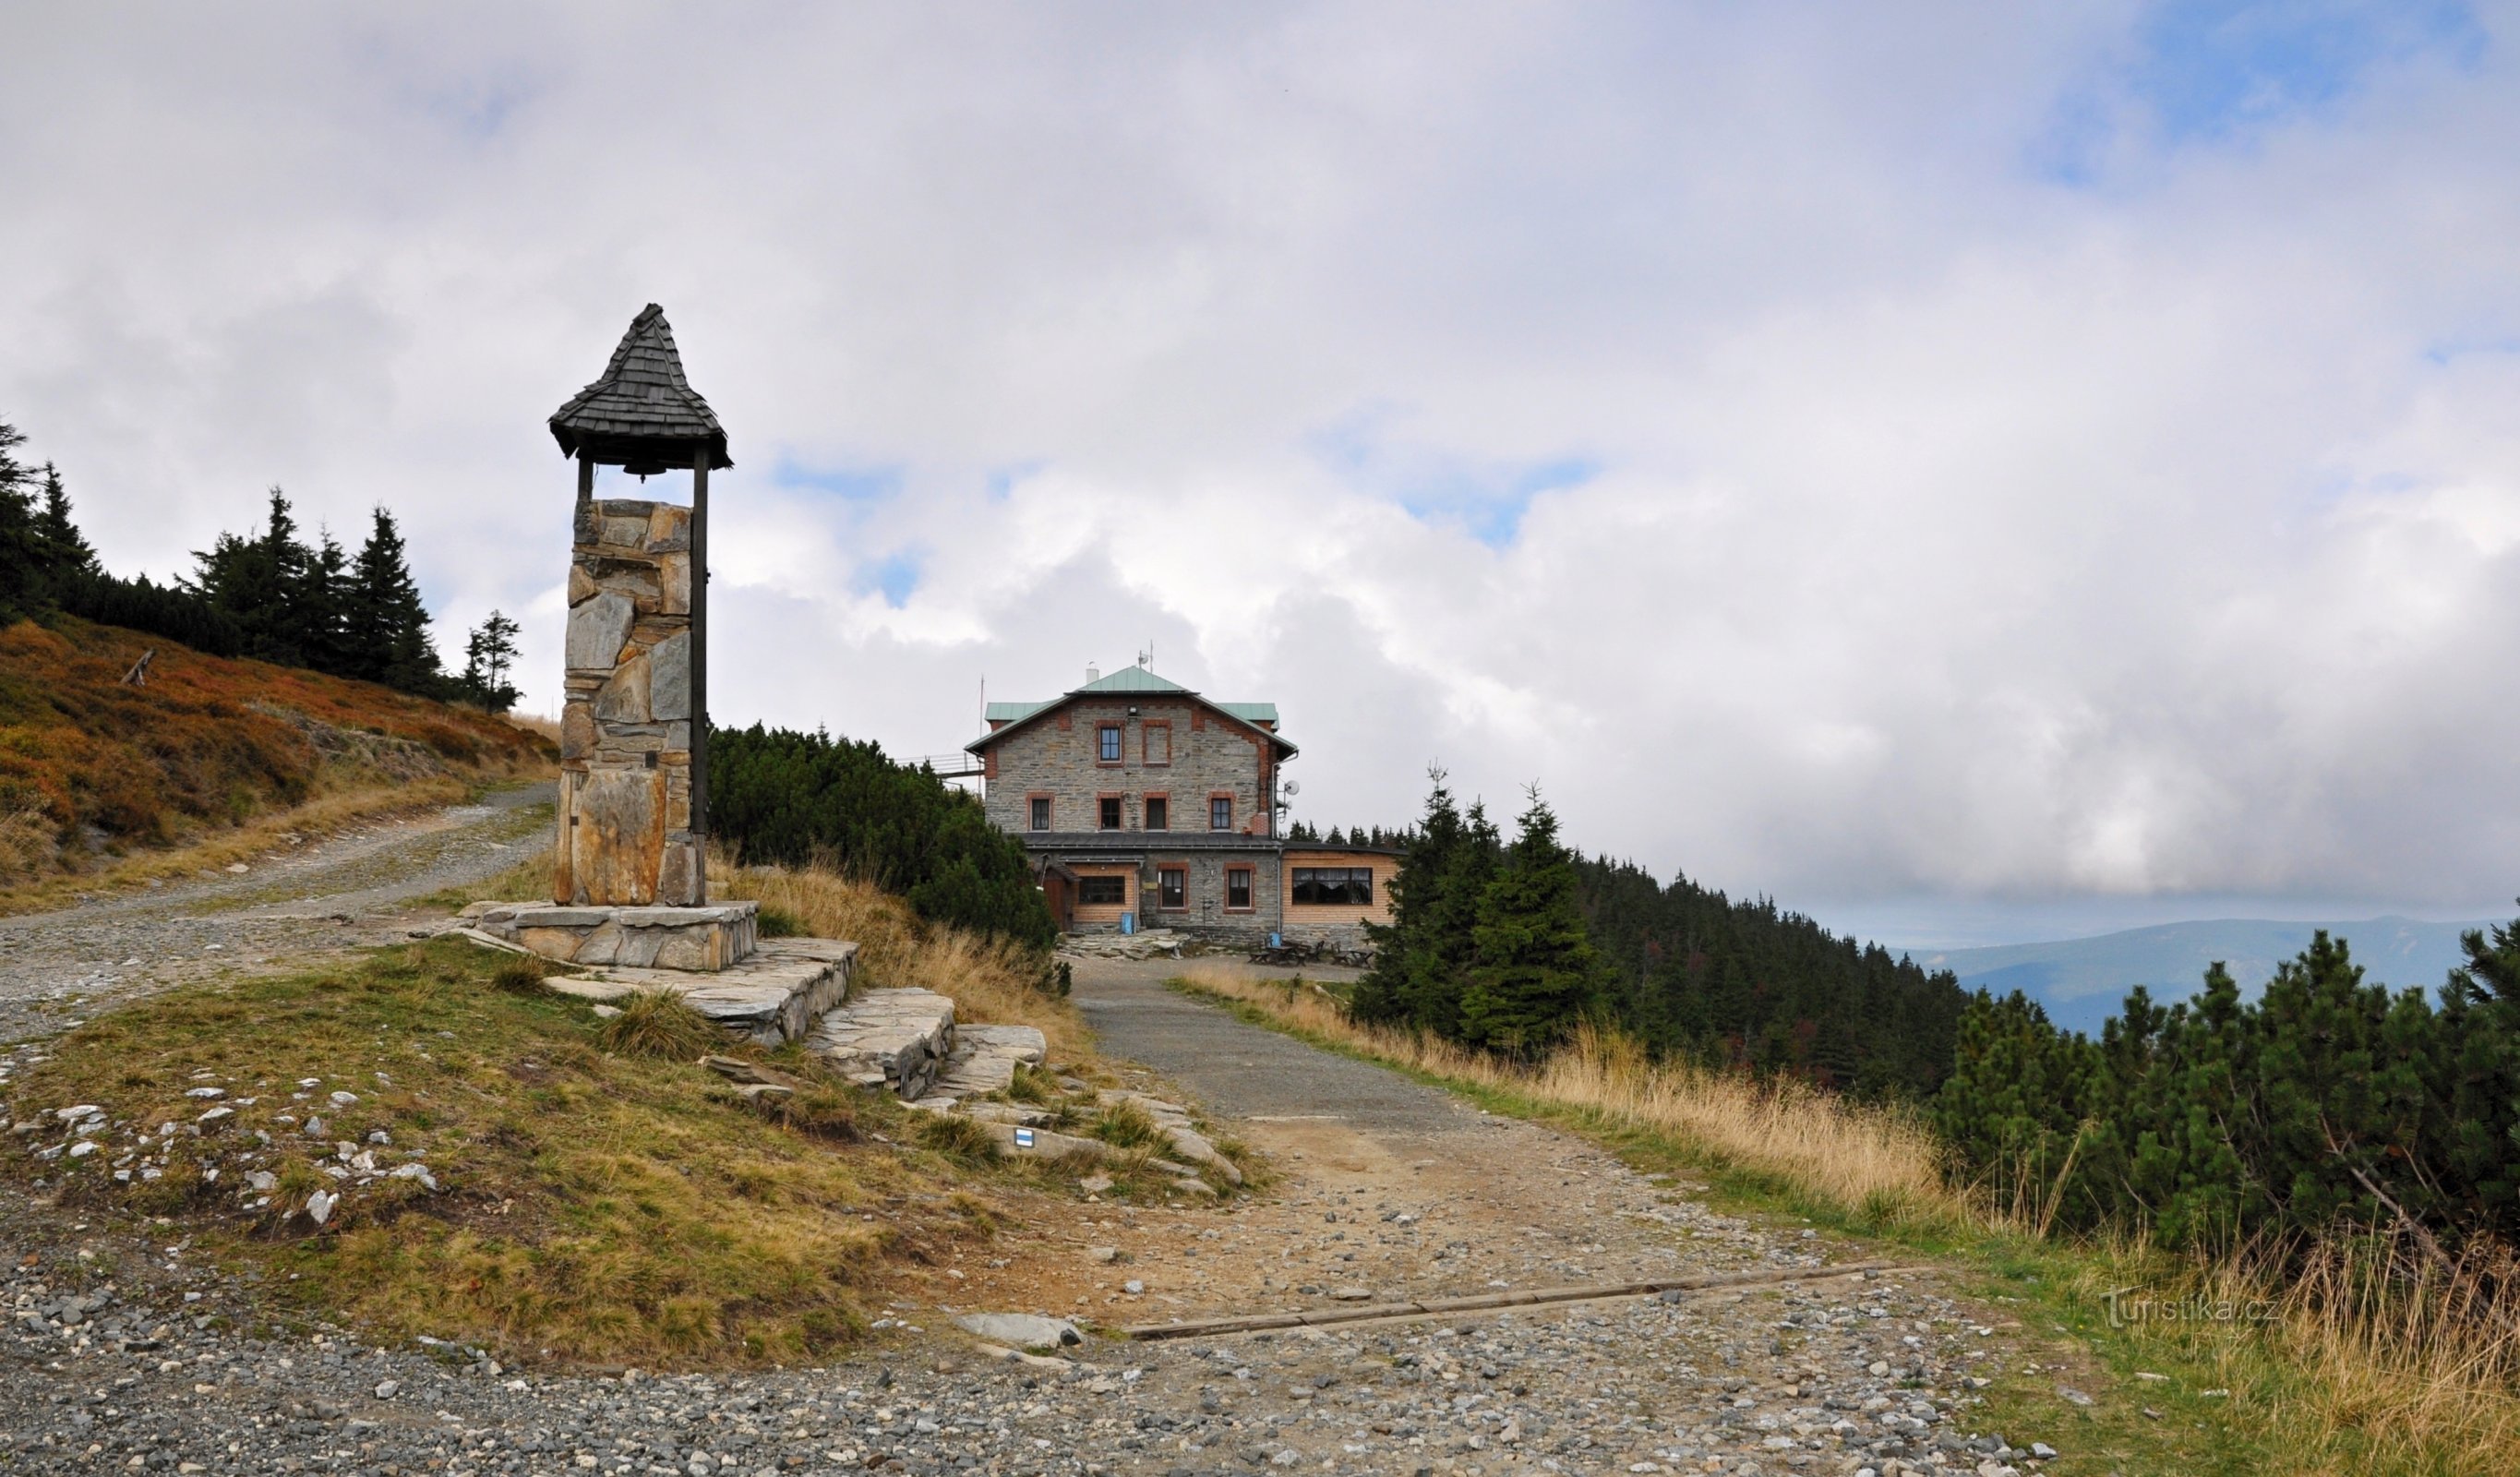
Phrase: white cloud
x=1932 y=525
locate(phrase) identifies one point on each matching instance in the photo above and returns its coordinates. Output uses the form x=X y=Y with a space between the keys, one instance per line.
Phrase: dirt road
x=1383 y=1187
x=343 y=892
x=1389 y=1191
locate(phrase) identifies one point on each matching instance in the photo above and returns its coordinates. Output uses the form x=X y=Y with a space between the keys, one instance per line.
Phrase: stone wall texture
x=625 y=785
x=1058 y=755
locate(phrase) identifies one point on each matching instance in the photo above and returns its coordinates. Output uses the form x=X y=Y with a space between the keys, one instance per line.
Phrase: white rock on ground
x=1021 y=1330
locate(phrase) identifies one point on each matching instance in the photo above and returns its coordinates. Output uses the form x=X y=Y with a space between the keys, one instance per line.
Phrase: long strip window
x=1338 y=885
x=1102 y=891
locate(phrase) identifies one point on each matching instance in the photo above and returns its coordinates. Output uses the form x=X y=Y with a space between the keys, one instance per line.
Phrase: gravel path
x=116 y=1356
x=343 y=892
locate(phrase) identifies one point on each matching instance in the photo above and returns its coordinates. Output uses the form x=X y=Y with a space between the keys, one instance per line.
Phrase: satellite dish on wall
x=1294 y=788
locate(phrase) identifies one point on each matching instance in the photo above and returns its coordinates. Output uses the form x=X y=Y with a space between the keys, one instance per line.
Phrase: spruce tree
x=316 y=617
x=1534 y=972
x=256 y=581
x=21 y=547
x=1387 y=990
x=387 y=626
x=65 y=551
x=489 y=653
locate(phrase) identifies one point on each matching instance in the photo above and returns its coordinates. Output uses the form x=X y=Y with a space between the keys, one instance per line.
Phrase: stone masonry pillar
x=625 y=785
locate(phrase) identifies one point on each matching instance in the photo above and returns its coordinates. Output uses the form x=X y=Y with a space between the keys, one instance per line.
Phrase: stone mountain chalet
x=1146 y=805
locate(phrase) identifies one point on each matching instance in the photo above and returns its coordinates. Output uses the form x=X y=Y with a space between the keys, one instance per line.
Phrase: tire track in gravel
x=347 y=891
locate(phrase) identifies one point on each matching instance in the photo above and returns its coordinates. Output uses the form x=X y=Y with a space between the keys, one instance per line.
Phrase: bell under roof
x=642 y=415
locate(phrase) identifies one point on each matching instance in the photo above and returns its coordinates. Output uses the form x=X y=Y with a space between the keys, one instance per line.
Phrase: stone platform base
x=773 y=997
x=888 y=1038
x=714 y=937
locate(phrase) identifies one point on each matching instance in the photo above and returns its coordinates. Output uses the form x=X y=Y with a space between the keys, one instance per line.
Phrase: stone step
x=774 y=995
x=985 y=1057
x=898 y=1039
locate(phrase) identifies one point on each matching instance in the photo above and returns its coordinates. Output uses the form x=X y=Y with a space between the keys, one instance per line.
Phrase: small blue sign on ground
x=1024 y=1138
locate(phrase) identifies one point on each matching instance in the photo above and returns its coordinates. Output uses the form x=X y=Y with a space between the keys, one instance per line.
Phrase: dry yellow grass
x=1879 y=1162
x=991 y=983
x=331 y=810
x=2375 y=1355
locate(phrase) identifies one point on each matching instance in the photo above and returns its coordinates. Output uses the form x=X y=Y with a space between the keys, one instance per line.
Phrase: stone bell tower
x=634 y=731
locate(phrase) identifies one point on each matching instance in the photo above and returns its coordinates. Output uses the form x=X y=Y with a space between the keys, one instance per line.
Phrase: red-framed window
x=1156 y=743
x=1109 y=812
x=1238 y=889
x=1156 y=809
x=1220 y=812
x=1109 y=745
x=1038 y=811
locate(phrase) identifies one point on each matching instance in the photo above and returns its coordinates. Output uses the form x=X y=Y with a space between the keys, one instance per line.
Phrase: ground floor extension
x=1228 y=888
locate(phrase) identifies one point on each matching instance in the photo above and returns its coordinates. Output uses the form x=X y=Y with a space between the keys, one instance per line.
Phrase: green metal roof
x=1128 y=681
x=1131 y=680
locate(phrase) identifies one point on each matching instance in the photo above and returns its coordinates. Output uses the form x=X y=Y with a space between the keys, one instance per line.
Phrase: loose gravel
x=122 y=1351
x=346 y=891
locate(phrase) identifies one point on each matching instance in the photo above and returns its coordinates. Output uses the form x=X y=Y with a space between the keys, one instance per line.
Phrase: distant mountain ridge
x=2081 y=982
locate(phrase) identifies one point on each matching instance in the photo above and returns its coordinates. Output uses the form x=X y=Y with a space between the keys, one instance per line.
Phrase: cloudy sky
x=1970 y=472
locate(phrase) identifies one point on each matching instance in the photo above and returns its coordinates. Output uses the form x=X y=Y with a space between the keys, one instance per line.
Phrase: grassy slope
x=95 y=776
x=2297 y=1395
x=590 y=1204
x=593 y=1204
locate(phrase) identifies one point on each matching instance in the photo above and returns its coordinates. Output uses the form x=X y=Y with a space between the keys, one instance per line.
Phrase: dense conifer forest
x=1509 y=946
x=269 y=594
x=784 y=797
x=2218 y=1120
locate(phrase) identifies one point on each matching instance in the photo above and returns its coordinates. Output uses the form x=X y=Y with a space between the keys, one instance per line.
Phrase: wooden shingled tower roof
x=642 y=415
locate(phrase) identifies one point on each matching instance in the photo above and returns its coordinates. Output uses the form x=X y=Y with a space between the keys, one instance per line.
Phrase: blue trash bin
x=1128 y=922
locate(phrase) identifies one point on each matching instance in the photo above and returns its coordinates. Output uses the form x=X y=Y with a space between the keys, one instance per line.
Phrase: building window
x=1110 y=812
x=1219 y=813
x=1343 y=886
x=1109 y=737
x=1158 y=743
x=1158 y=813
x=1237 y=889
x=1172 y=887
x=1102 y=892
x=1041 y=812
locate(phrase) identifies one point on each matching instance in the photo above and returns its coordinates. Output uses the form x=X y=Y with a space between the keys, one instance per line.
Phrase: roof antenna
x=1146 y=657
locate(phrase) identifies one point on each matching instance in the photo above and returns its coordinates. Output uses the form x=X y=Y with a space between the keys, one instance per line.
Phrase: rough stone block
x=674 y=574
x=597 y=630
x=669 y=529
x=581 y=585
x=903 y=1035
x=634 y=578
x=625 y=532
x=688 y=949
x=669 y=679
x=618 y=842
x=564 y=944
x=1024 y=1043
x=576 y=729
x=624 y=700
x=680 y=872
